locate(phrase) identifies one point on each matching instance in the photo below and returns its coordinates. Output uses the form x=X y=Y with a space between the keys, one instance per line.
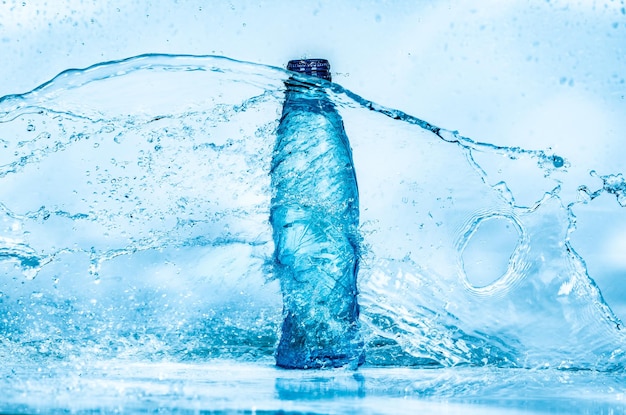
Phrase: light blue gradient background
x=534 y=74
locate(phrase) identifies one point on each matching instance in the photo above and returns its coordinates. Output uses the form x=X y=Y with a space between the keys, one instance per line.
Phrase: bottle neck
x=306 y=97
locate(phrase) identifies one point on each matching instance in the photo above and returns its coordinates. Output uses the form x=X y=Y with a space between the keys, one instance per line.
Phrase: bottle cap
x=313 y=67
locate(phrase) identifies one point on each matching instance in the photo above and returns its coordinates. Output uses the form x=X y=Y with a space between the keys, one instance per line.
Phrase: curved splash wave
x=134 y=205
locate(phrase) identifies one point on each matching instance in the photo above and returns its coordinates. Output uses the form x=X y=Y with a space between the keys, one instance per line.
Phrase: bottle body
x=315 y=217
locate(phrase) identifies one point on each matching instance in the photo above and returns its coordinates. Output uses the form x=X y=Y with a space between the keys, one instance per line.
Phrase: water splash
x=135 y=220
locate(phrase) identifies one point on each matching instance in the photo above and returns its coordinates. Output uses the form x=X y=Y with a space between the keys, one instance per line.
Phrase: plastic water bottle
x=315 y=217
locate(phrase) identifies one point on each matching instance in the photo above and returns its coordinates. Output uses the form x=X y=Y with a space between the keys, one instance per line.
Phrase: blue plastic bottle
x=315 y=217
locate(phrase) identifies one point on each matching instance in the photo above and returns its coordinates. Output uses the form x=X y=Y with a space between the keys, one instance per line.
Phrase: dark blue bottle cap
x=313 y=67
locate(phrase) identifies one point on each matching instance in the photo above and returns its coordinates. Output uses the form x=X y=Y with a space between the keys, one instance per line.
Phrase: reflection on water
x=231 y=387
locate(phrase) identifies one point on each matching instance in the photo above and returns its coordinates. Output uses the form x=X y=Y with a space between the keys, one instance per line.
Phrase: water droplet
x=557 y=161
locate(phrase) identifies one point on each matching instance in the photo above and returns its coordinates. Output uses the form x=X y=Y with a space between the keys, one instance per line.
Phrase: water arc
x=145 y=229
